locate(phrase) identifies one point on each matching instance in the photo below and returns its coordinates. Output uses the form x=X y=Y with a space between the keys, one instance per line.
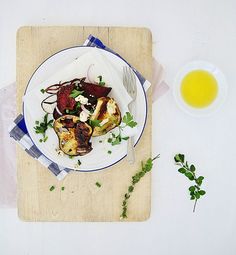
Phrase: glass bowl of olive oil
x=200 y=88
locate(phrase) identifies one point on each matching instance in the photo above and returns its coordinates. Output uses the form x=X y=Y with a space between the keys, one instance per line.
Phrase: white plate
x=222 y=88
x=98 y=158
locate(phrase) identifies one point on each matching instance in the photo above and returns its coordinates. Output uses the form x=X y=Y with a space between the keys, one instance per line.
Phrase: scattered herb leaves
x=195 y=190
x=63 y=188
x=145 y=168
x=41 y=127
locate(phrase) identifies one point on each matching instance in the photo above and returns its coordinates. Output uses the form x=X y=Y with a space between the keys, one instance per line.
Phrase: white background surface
x=182 y=30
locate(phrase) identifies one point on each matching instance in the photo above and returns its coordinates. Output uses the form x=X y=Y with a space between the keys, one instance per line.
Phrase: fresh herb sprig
x=145 y=168
x=190 y=172
x=128 y=121
x=41 y=127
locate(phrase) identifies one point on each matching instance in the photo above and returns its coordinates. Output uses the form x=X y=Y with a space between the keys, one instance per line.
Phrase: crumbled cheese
x=83 y=116
x=111 y=107
x=103 y=122
x=81 y=99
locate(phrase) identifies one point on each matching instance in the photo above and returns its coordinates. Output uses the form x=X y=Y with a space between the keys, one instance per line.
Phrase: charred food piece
x=74 y=135
x=108 y=113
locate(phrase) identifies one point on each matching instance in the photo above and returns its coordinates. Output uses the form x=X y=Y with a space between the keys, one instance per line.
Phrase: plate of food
x=76 y=109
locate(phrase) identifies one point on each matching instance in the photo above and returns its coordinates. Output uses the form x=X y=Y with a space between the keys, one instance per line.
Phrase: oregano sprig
x=190 y=172
x=145 y=168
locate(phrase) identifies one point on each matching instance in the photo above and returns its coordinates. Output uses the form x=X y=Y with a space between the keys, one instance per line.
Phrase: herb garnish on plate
x=41 y=127
x=128 y=120
x=190 y=172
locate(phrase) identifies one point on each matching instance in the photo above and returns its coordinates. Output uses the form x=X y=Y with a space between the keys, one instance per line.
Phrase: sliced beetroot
x=64 y=101
x=94 y=90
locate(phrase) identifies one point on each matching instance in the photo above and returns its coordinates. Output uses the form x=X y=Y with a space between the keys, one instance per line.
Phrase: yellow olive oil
x=199 y=88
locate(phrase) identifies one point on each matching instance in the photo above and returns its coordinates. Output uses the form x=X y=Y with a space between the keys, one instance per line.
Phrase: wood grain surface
x=82 y=200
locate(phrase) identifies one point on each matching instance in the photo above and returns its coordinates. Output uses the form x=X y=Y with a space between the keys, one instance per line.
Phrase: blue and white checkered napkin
x=19 y=133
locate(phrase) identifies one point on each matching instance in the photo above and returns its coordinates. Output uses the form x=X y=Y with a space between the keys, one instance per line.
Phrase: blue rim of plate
x=145 y=97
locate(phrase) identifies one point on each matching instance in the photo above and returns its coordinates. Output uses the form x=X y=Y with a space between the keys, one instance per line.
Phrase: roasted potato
x=74 y=135
x=108 y=112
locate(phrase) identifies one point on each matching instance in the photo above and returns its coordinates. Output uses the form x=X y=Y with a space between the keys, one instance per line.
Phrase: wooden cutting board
x=82 y=200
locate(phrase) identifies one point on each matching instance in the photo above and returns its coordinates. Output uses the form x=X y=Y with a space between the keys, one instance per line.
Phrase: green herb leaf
x=202 y=192
x=52 y=188
x=128 y=120
x=101 y=82
x=117 y=140
x=78 y=105
x=197 y=195
x=131 y=188
x=181 y=156
x=192 y=168
x=192 y=188
x=41 y=127
x=189 y=175
x=109 y=152
x=42 y=91
x=74 y=93
x=182 y=170
x=79 y=162
x=199 y=180
x=62 y=188
x=177 y=158
x=98 y=184
x=94 y=123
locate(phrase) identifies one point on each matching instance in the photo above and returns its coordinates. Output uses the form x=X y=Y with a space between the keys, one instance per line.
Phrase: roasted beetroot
x=94 y=90
x=64 y=101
